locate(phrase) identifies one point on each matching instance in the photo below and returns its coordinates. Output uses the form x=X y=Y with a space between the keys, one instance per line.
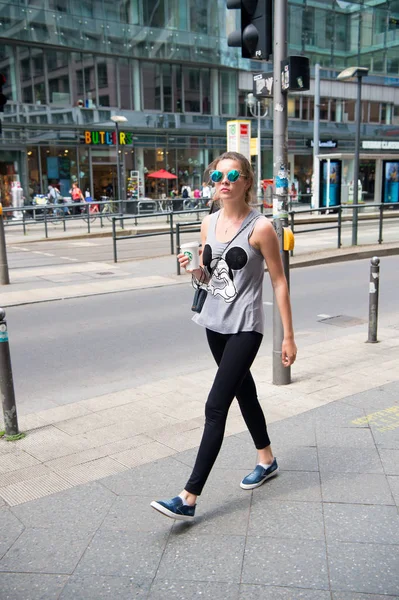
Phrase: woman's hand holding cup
x=189 y=257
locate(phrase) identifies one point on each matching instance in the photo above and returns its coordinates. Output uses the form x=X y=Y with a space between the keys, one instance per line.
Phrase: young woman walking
x=236 y=242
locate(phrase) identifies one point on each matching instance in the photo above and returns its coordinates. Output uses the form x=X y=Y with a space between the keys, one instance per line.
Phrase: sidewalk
x=75 y=493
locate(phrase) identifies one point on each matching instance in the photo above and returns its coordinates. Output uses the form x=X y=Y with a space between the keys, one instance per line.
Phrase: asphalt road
x=70 y=350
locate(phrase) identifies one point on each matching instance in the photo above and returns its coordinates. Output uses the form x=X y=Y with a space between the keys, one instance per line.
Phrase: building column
x=139 y=165
x=378 y=176
x=136 y=85
x=388 y=116
x=215 y=92
x=338 y=111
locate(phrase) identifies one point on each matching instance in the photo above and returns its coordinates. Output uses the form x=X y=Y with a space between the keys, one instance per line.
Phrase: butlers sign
x=108 y=138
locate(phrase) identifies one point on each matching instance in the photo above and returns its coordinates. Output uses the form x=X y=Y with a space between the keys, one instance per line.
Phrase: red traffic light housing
x=256 y=35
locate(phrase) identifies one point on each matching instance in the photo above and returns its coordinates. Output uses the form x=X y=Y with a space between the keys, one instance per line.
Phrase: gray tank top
x=234 y=299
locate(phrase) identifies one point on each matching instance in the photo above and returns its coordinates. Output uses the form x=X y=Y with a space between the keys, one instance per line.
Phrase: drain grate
x=343 y=321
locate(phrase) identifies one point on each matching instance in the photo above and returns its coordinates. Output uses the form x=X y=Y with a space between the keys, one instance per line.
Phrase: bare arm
x=264 y=238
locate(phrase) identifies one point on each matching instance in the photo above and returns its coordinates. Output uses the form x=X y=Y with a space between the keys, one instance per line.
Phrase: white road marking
x=268 y=303
x=324 y=316
x=21 y=249
x=83 y=244
x=47 y=254
x=68 y=258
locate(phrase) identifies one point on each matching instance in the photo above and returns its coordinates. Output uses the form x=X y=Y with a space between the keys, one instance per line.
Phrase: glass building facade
x=70 y=65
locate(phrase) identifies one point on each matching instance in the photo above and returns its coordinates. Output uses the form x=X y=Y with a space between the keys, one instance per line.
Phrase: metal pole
x=281 y=374
x=356 y=161
x=373 y=299
x=258 y=155
x=381 y=208
x=316 y=140
x=6 y=380
x=114 y=240
x=4 y=275
x=118 y=161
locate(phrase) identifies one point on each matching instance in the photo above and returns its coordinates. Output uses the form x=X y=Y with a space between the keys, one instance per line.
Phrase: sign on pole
x=239 y=137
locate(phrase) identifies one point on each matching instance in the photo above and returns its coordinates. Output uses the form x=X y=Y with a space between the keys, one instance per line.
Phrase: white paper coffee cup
x=191 y=250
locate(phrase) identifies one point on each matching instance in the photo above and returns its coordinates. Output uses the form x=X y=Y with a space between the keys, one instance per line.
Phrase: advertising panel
x=390 y=183
x=239 y=137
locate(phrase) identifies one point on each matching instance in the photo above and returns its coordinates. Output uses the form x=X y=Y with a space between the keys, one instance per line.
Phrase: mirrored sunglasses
x=232 y=176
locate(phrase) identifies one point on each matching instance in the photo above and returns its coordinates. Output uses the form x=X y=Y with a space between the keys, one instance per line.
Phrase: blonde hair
x=245 y=168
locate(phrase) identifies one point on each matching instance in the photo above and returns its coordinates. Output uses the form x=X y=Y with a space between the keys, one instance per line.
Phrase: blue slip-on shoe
x=258 y=476
x=175 y=509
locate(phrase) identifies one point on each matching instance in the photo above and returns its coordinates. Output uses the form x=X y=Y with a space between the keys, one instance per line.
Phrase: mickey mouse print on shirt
x=221 y=270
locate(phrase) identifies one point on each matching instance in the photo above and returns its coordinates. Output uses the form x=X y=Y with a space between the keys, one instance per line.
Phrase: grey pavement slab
x=286 y=520
x=79 y=509
x=390 y=460
x=292 y=486
x=266 y=592
x=355 y=596
x=393 y=482
x=104 y=588
x=10 y=528
x=293 y=563
x=133 y=513
x=355 y=488
x=202 y=558
x=45 y=551
x=367 y=568
x=124 y=554
x=361 y=523
x=31 y=586
x=349 y=460
x=187 y=590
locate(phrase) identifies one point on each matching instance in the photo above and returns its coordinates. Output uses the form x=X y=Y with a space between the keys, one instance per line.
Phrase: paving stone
x=292 y=486
x=143 y=454
x=91 y=471
x=49 y=442
x=10 y=529
x=31 y=586
x=287 y=433
x=387 y=438
x=373 y=400
x=265 y=592
x=80 y=509
x=25 y=474
x=179 y=590
x=45 y=551
x=355 y=488
x=368 y=568
x=344 y=437
x=299 y=458
x=16 y=460
x=390 y=461
x=123 y=554
x=31 y=489
x=161 y=479
x=294 y=563
x=298 y=520
x=101 y=588
x=62 y=413
x=134 y=513
x=361 y=523
x=349 y=460
x=354 y=596
x=205 y=558
x=393 y=482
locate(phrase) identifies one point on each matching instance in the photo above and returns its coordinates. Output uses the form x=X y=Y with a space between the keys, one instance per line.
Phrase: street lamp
x=349 y=74
x=118 y=119
x=255 y=108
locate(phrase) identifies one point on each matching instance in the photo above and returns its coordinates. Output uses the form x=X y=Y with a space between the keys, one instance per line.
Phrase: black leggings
x=234 y=353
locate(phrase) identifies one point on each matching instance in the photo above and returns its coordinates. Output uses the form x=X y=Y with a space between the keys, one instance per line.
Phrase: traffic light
x=256 y=35
x=3 y=99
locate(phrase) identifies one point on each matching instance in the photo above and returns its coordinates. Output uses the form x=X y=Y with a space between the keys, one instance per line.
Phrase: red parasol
x=162 y=174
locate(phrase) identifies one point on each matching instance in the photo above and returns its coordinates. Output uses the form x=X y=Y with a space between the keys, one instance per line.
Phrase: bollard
x=6 y=381
x=4 y=275
x=373 y=299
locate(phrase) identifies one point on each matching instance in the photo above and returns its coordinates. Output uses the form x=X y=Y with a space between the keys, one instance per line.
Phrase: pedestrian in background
x=77 y=196
x=236 y=242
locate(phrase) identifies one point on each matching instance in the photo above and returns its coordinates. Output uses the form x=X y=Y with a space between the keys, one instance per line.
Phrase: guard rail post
x=339 y=226
x=45 y=220
x=172 y=247
x=292 y=224
x=23 y=221
x=381 y=209
x=6 y=381
x=178 y=247
x=4 y=275
x=373 y=299
x=114 y=239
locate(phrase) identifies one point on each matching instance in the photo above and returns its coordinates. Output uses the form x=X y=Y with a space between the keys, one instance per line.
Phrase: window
x=192 y=91
x=374 y=112
x=323 y=109
x=154 y=13
x=395 y=115
x=125 y=82
x=228 y=93
x=206 y=91
x=349 y=111
x=294 y=107
x=198 y=16
x=58 y=78
x=151 y=86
